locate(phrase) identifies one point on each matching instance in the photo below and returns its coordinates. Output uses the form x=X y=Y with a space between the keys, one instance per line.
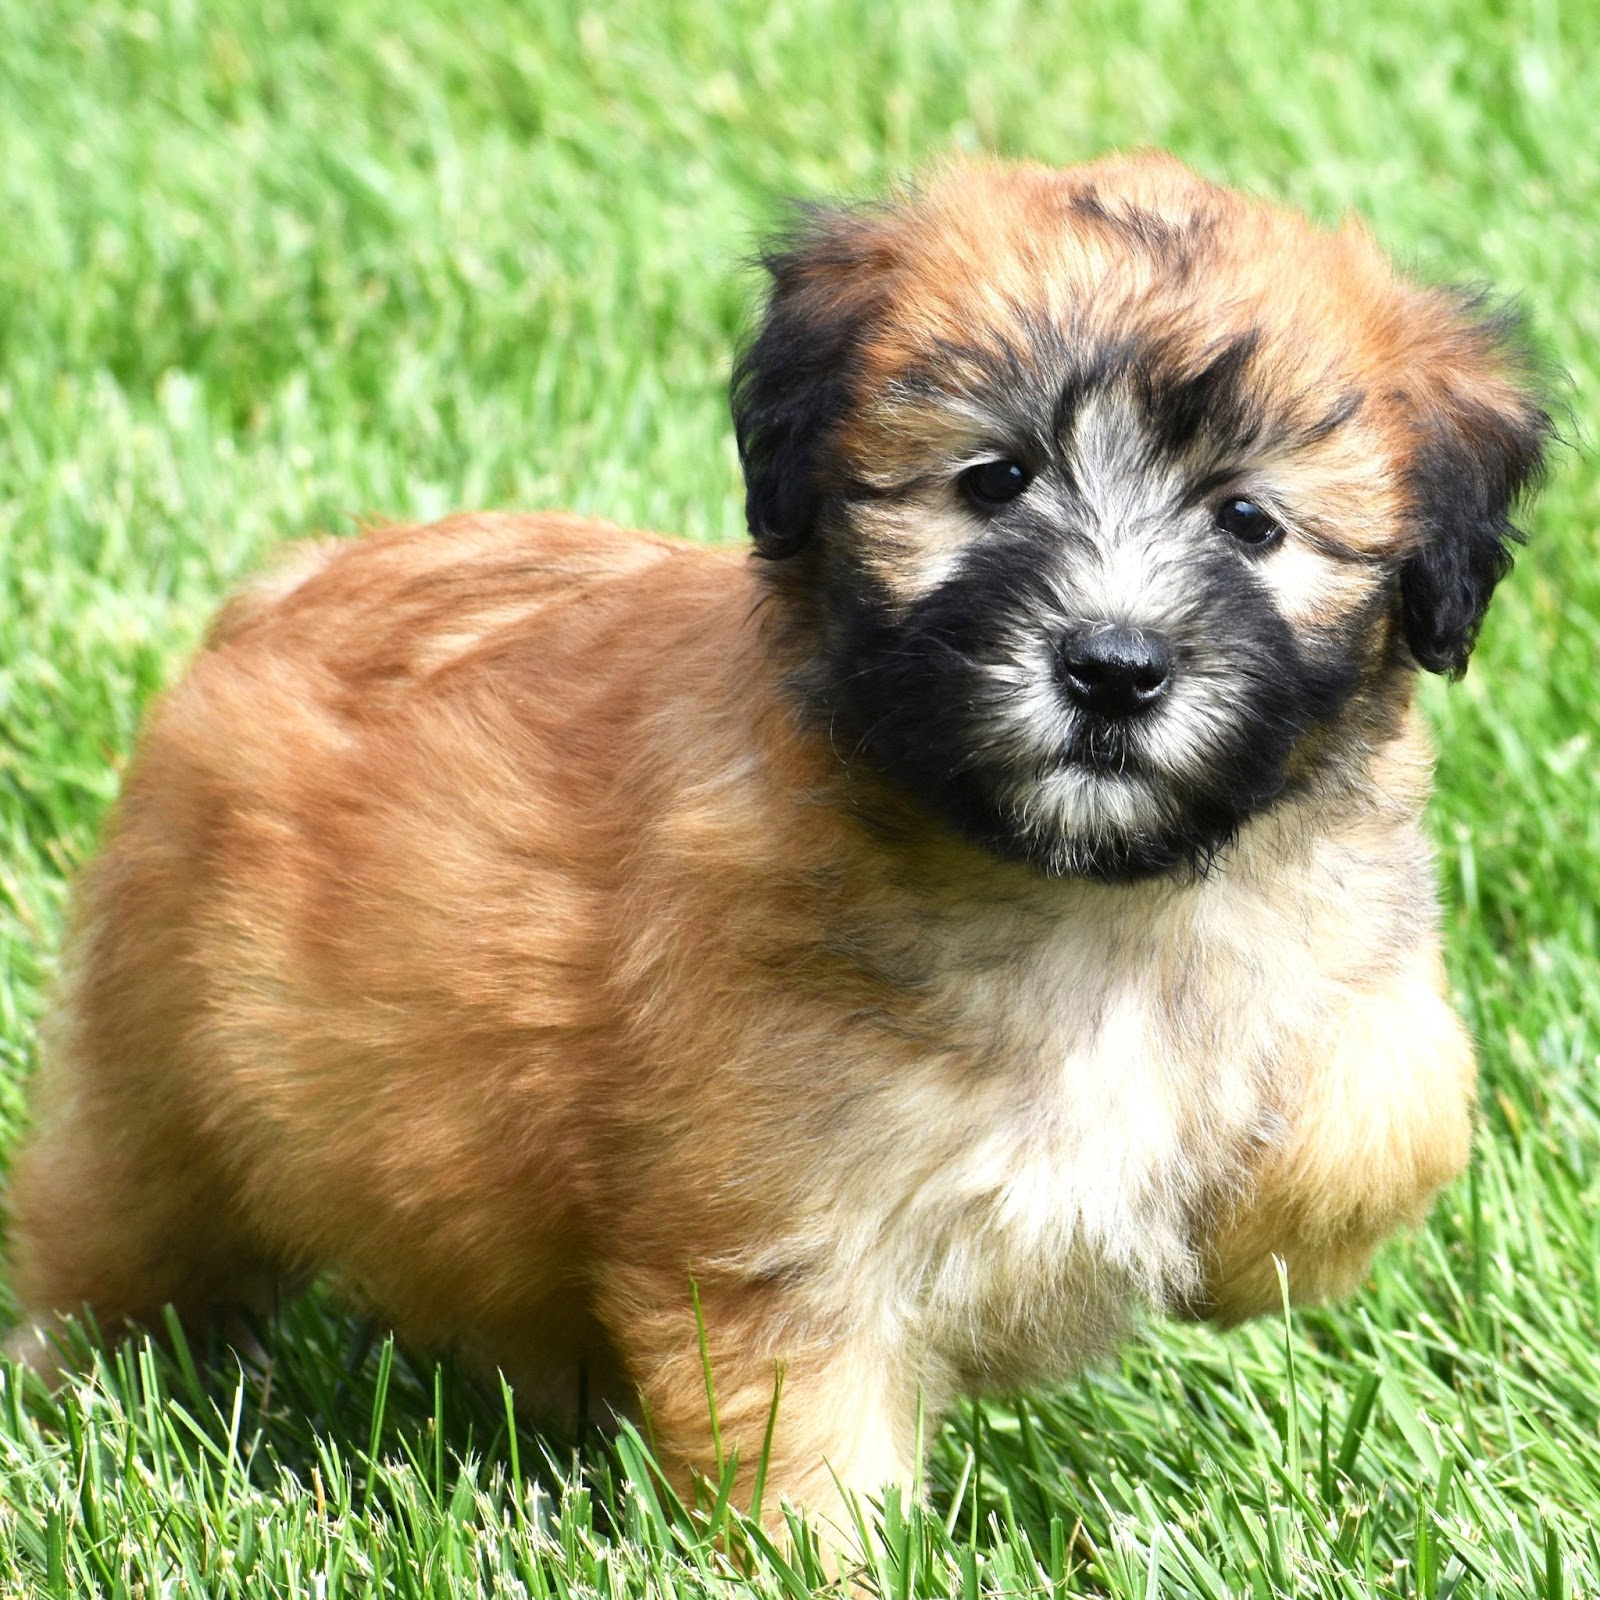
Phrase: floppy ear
x=1481 y=446
x=792 y=383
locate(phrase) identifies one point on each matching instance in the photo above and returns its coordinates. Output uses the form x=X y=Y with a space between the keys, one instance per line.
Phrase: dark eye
x=992 y=483
x=1245 y=521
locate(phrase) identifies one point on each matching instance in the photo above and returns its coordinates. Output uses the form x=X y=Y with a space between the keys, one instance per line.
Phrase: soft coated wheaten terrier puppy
x=998 y=903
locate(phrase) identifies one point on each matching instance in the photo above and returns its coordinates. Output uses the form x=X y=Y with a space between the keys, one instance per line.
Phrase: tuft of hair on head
x=1482 y=430
x=829 y=269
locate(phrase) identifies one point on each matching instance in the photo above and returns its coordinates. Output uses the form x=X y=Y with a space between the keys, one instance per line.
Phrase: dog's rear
x=248 y=1070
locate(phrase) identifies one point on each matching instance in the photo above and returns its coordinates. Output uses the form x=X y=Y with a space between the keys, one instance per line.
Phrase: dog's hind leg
x=123 y=1221
x=113 y=1204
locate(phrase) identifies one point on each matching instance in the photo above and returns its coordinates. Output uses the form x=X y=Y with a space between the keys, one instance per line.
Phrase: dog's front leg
x=1380 y=1118
x=753 y=1385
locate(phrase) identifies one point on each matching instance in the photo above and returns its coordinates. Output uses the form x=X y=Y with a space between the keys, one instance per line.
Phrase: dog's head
x=1114 y=497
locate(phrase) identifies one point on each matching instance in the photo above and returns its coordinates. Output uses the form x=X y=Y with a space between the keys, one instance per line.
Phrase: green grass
x=267 y=268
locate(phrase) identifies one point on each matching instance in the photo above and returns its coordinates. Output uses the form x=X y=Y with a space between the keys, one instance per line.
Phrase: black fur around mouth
x=1105 y=749
x=919 y=696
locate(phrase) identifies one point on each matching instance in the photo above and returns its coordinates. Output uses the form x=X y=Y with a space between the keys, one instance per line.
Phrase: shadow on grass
x=279 y=1392
x=330 y=1414
x=329 y=1417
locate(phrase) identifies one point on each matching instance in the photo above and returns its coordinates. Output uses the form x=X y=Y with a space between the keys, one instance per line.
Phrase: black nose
x=1114 y=672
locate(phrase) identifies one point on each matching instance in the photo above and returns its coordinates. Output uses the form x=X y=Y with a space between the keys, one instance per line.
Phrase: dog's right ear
x=792 y=383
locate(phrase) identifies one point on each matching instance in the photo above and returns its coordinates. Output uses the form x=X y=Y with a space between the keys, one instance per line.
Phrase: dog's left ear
x=792 y=383
x=1479 y=447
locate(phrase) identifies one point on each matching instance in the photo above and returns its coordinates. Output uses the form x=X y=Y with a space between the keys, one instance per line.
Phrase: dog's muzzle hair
x=1109 y=741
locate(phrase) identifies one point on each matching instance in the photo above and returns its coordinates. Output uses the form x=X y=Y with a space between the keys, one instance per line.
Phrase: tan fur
x=481 y=924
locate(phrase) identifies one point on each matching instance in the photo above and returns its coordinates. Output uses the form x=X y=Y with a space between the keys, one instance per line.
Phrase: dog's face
x=1121 y=504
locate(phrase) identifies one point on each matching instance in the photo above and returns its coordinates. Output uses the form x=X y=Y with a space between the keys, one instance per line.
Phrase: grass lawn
x=266 y=268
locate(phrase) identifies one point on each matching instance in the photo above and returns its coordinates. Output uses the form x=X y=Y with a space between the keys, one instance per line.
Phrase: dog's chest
x=1044 y=1179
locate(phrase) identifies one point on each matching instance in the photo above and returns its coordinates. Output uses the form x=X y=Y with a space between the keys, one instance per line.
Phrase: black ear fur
x=1478 y=457
x=792 y=382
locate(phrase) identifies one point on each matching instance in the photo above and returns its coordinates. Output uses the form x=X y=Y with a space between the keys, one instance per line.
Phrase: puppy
x=999 y=903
